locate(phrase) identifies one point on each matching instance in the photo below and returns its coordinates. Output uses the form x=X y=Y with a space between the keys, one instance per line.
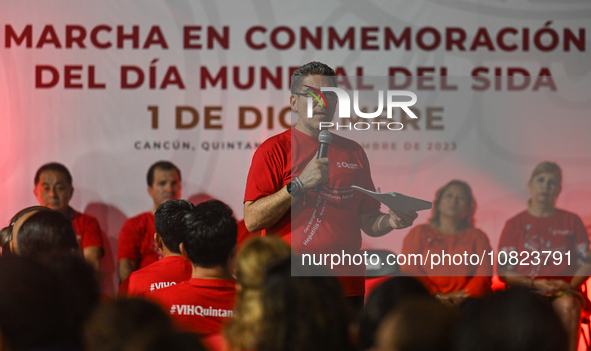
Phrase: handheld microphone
x=325 y=137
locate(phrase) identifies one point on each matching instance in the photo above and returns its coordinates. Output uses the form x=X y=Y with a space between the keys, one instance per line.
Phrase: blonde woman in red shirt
x=546 y=249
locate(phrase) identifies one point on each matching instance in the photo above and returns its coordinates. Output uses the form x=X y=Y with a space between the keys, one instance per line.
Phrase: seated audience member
x=173 y=268
x=303 y=313
x=417 y=325
x=41 y=233
x=53 y=189
x=382 y=300
x=82 y=291
x=177 y=341
x=510 y=320
x=451 y=229
x=34 y=311
x=6 y=232
x=253 y=259
x=136 y=247
x=203 y=303
x=544 y=228
x=127 y=325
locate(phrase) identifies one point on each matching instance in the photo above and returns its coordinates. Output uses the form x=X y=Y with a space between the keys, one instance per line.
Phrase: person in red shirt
x=450 y=231
x=542 y=230
x=136 y=247
x=203 y=303
x=53 y=189
x=285 y=168
x=173 y=268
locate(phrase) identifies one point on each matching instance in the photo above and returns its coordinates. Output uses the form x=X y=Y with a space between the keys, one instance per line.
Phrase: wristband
x=297 y=179
x=387 y=223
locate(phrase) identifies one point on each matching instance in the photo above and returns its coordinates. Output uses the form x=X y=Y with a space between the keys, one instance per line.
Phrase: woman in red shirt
x=464 y=269
x=547 y=249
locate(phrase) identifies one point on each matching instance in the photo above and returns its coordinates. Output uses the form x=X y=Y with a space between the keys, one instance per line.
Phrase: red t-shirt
x=87 y=229
x=198 y=305
x=136 y=240
x=562 y=231
x=161 y=274
x=426 y=240
x=327 y=221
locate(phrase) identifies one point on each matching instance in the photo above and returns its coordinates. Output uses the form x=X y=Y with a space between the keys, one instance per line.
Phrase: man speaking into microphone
x=304 y=196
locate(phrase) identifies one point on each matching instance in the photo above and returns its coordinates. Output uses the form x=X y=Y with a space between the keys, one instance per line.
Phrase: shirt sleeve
x=265 y=175
x=581 y=238
x=91 y=233
x=479 y=284
x=412 y=245
x=124 y=287
x=509 y=237
x=129 y=242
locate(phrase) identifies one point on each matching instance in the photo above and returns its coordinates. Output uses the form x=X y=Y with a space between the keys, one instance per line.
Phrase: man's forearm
x=125 y=267
x=266 y=211
x=92 y=255
x=376 y=224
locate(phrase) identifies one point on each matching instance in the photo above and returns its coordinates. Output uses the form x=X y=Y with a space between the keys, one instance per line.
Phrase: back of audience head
x=82 y=286
x=125 y=324
x=253 y=259
x=177 y=341
x=303 y=313
x=209 y=234
x=168 y=223
x=255 y=256
x=511 y=320
x=34 y=311
x=7 y=233
x=382 y=300
x=43 y=233
x=417 y=325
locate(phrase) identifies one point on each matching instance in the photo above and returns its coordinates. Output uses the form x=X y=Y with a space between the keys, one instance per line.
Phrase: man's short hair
x=54 y=166
x=309 y=69
x=46 y=232
x=209 y=234
x=169 y=224
x=163 y=165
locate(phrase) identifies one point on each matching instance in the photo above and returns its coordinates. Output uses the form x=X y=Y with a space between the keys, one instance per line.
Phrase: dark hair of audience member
x=417 y=325
x=46 y=232
x=34 y=311
x=303 y=313
x=177 y=341
x=382 y=300
x=210 y=234
x=168 y=222
x=56 y=167
x=251 y=264
x=126 y=324
x=511 y=320
x=162 y=165
x=82 y=288
x=6 y=232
